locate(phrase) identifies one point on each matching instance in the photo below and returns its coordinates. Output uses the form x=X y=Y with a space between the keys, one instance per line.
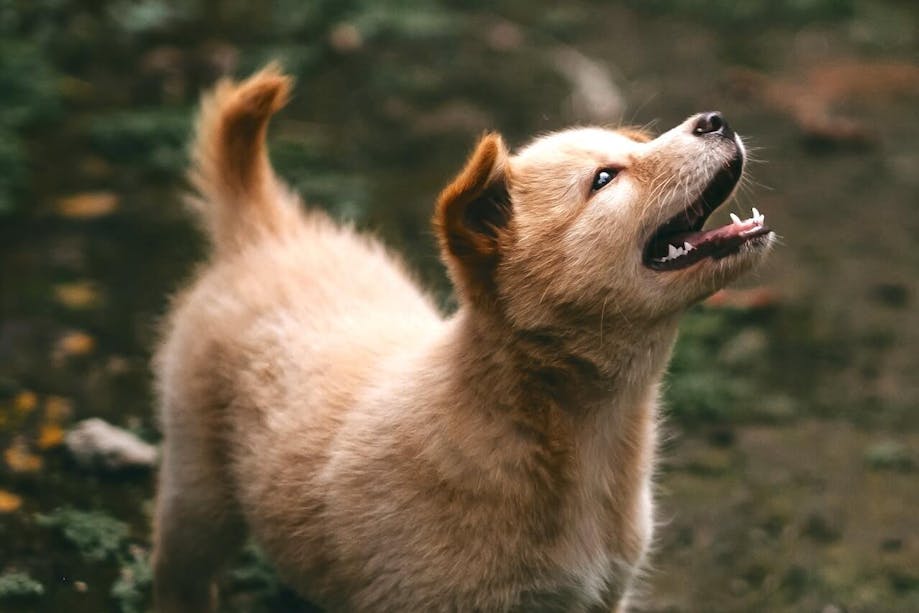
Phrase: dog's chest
x=587 y=559
x=608 y=520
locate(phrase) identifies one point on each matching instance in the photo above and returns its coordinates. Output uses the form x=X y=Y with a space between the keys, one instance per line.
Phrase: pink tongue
x=721 y=234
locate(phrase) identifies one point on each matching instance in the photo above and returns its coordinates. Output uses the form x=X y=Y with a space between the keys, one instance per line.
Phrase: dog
x=388 y=458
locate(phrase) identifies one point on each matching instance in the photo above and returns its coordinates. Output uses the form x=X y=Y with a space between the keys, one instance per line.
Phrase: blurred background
x=789 y=473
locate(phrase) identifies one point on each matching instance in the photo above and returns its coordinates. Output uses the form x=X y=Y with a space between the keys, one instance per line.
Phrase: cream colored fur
x=386 y=458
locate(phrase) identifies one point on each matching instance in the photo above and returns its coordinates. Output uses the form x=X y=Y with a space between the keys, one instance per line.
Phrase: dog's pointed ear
x=472 y=216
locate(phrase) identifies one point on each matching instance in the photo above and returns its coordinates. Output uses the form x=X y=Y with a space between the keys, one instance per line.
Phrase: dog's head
x=591 y=220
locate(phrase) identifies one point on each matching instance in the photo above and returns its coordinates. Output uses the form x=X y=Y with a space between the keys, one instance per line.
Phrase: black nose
x=713 y=122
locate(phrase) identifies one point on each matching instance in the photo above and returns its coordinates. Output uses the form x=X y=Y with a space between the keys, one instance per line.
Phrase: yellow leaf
x=87 y=205
x=21 y=460
x=73 y=344
x=25 y=402
x=9 y=502
x=49 y=435
x=77 y=295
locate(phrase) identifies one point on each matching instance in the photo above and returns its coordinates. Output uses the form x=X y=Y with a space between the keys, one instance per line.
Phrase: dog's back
x=284 y=309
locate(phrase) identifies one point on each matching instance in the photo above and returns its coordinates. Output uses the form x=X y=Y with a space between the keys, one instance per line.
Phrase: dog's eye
x=603 y=177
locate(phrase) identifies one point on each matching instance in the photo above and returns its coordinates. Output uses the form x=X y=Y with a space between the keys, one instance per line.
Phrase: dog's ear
x=472 y=216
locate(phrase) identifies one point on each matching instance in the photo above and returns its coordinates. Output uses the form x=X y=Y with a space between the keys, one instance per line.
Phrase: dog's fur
x=385 y=458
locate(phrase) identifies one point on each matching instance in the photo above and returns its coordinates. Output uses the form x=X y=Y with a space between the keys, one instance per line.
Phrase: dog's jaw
x=679 y=250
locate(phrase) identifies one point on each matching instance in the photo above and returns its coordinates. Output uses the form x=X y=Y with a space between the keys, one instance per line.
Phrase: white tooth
x=735 y=218
x=671 y=252
x=762 y=219
x=687 y=247
x=756 y=215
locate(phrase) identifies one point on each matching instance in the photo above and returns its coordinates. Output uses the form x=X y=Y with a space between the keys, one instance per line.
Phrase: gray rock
x=95 y=443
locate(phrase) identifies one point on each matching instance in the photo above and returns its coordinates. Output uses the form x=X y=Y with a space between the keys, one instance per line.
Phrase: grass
x=19 y=586
x=97 y=536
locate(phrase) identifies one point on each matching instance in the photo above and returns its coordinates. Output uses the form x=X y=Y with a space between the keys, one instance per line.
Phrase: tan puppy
x=388 y=459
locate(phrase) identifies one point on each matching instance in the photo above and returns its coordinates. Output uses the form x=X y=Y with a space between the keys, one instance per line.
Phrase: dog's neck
x=582 y=367
x=577 y=418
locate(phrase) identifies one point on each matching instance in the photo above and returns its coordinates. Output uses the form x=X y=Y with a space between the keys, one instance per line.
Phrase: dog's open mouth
x=681 y=242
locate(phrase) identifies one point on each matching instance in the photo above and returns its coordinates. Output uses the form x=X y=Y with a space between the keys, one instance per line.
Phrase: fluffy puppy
x=389 y=459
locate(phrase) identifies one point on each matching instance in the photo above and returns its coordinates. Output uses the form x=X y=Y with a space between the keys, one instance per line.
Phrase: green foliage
x=713 y=372
x=396 y=18
x=16 y=585
x=750 y=12
x=28 y=85
x=96 y=535
x=143 y=16
x=254 y=572
x=298 y=19
x=404 y=20
x=28 y=94
x=319 y=180
x=131 y=591
x=889 y=455
x=101 y=538
x=150 y=139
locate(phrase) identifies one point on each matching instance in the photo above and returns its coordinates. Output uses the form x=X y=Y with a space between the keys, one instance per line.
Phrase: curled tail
x=238 y=195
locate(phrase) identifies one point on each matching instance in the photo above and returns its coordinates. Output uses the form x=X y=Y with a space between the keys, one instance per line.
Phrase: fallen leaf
x=74 y=343
x=49 y=435
x=21 y=460
x=87 y=205
x=9 y=502
x=25 y=402
x=77 y=295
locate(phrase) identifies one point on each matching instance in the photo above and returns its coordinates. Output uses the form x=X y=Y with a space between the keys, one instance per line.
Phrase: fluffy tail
x=238 y=195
